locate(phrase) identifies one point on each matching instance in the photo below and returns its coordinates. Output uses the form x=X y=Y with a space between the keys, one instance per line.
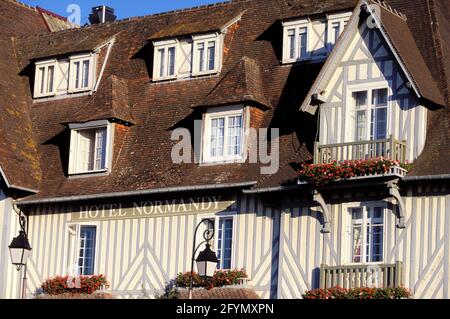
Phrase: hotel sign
x=153 y=209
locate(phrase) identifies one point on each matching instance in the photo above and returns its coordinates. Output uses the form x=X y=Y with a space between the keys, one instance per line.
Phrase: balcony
x=362 y=150
x=357 y=276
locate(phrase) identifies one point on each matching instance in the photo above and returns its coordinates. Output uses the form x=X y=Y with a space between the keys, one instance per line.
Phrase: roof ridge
x=137 y=18
x=22 y=4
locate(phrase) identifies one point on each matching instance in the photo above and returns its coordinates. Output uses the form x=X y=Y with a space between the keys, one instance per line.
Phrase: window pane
x=201 y=56
x=100 y=150
x=217 y=137
x=360 y=99
x=291 y=39
x=361 y=125
x=87 y=250
x=171 y=62
x=234 y=135
x=381 y=123
x=336 y=29
x=77 y=75
x=85 y=152
x=302 y=42
x=85 y=73
x=225 y=242
x=50 y=78
x=42 y=75
x=379 y=97
x=211 y=55
x=162 y=62
x=356 y=243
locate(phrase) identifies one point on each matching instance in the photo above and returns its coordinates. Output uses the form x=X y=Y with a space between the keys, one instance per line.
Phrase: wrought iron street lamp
x=20 y=247
x=20 y=251
x=207 y=259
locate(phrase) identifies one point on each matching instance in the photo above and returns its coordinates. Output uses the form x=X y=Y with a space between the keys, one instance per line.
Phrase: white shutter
x=72 y=249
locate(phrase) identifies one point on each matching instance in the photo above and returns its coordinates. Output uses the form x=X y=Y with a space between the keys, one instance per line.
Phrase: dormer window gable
x=187 y=57
x=71 y=74
x=307 y=39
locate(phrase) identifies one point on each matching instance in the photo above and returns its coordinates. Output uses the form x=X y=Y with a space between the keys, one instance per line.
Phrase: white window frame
x=80 y=58
x=73 y=270
x=220 y=112
x=296 y=25
x=351 y=111
x=205 y=39
x=342 y=19
x=38 y=77
x=216 y=218
x=347 y=257
x=75 y=128
x=165 y=45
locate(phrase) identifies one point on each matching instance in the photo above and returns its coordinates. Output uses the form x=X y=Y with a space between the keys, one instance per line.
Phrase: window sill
x=211 y=162
x=104 y=172
x=305 y=61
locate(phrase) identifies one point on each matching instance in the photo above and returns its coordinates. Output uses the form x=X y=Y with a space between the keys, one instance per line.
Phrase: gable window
x=165 y=60
x=296 y=41
x=367 y=234
x=224 y=135
x=81 y=249
x=90 y=148
x=371 y=118
x=205 y=54
x=44 y=84
x=81 y=73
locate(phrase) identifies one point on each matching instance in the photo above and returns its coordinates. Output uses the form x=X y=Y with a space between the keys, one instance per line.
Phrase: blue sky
x=123 y=8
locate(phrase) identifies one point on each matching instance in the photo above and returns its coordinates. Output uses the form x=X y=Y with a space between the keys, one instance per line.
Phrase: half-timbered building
x=91 y=119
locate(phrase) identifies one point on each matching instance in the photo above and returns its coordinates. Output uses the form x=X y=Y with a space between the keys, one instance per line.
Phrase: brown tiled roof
x=18 y=152
x=109 y=102
x=243 y=83
x=403 y=40
x=217 y=20
x=59 y=43
x=142 y=152
x=220 y=293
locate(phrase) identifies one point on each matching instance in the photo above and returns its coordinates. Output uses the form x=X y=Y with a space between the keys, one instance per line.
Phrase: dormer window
x=296 y=41
x=165 y=60
x=81 y=73
x=90 y=147
x=205 y=54
x=312 y=40
x=44 y=84
x=187 y=57
x=73 y=74
x=335 y=26
x=224 y=135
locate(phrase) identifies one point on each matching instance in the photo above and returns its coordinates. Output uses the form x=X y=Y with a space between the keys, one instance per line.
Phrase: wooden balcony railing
x=389 y=148
x=357 y=276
